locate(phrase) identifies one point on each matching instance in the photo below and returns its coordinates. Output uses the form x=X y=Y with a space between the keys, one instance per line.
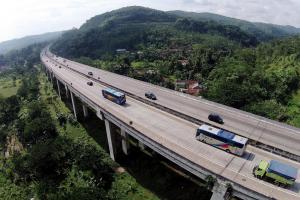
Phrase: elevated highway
x=172 y=136
x=267 y=134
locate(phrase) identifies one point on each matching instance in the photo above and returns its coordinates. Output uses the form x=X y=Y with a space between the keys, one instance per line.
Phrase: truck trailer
x=279 y=173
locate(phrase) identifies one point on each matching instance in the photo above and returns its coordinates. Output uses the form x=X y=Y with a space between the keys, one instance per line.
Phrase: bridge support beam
x=58 y=88
x=73 y=104
x=219 y=191
x=85 y=111
x=110 y=139
x=125 y=141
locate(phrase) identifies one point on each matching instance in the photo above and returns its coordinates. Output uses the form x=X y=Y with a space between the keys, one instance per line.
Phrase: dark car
x=215 y=118
x=90 y=73
x=59 y=66
x=90 y=83
x=150 y=95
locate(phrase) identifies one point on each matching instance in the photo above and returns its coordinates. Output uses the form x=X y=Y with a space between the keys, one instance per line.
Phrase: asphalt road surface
x=257 y=128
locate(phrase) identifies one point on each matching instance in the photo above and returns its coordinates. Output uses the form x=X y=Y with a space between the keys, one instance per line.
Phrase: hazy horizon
x=34 y=17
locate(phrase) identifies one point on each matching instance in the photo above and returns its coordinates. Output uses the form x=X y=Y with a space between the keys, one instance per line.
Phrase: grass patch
x=9 y=87
x=138 y=65
x=12 y=191
x=293 y=110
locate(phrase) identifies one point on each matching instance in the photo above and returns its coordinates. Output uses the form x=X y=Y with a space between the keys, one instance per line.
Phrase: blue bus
x=222 y=139
x=114 y=96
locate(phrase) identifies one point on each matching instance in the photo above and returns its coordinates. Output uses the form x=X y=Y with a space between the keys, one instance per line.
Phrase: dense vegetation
x=260 y=80
x=232 y=65
x=38 y=160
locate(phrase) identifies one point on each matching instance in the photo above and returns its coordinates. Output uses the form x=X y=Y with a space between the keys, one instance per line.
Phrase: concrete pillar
x=141 y=145
x=125 y=141
x=110 y=140
x=99 y=114
x=85 y=110
x=73 y=104
x=67 y=93
x=58 y=88
x=51 y=78
x=48 y=74
x=219 y=191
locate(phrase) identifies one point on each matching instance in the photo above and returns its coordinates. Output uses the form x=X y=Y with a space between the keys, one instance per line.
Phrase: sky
x=20 y=18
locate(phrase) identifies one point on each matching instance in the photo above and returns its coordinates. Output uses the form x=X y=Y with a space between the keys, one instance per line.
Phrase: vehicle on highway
x=215 y=118
x=90 y=73
x=222 y=139
x=150 y=95
x=279 y=173
x=90 y=83
x=114 y=95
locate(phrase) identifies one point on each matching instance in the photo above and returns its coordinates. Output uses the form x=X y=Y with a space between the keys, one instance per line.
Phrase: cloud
x=269 y=11
x=20 y=18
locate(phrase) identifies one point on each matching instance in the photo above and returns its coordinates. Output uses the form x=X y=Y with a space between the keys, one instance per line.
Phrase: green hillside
x=133 y=27
x=262 y=31
x=133 y=14
x=20 y=43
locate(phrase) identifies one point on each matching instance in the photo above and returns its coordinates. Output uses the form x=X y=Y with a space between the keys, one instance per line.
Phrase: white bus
x=222 y=139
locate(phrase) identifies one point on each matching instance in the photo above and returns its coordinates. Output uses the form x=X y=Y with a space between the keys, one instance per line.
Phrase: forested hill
x=133 y=27
x=17 y=44
x=133 y=14
x=263 y=31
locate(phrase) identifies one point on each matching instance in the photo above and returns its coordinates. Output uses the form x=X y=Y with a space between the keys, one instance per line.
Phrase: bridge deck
x=269 y=132
x=178 y=135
